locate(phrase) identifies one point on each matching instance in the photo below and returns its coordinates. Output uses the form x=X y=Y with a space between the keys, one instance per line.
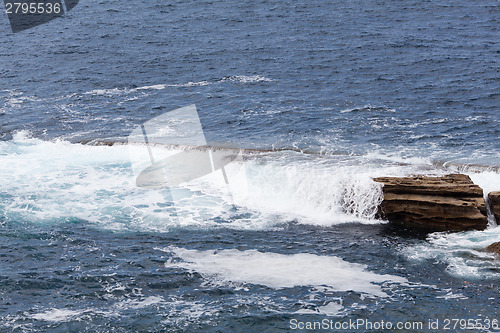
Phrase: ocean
x=323 y=96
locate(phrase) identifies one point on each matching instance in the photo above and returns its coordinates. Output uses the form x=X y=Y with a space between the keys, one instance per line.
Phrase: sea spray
x=96 y=184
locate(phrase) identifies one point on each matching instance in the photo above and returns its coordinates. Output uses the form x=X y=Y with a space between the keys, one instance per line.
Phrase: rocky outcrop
x=495 y=248
x=494 y=198
x=449 y=203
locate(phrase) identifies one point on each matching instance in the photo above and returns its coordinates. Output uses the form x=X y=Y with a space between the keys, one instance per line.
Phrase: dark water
x=421 y=75
x=381 y=88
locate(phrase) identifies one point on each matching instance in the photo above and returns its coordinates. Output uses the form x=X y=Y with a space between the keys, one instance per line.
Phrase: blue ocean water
x=334 y=93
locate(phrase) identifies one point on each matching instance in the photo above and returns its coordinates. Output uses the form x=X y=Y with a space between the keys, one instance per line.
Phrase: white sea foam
x=247 y=78
x=119 y=91
x=451 y=295
x=397 y=157
x=55 y=180
x=138 y=304
x=114 y=310
x=463 y=253
x=111 y=91
x=153 y=87
x=51 y=181
x=367 y=108
x=280 y=271
x=311 y=193
x=57 y=315
x=329 y=309
x=191 y=84
x=489 y=181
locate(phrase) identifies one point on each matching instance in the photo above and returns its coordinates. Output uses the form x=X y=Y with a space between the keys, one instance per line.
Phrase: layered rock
x=494 y=198
x=449 y=203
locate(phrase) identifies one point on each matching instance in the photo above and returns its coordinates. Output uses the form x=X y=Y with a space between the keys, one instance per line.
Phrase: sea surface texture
x=324 y=95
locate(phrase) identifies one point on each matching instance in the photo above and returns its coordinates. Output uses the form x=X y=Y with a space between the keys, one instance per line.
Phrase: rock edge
x=448 y=203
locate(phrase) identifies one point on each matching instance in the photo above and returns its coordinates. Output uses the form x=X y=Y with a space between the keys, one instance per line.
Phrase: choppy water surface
x=341 y=92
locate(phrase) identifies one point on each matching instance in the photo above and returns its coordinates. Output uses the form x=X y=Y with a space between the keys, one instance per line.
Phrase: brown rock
x=494 y=198
x=449 y=203
x=495 y=247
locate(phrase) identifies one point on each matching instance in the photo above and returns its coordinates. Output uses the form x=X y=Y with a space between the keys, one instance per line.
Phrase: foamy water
x=279 y=271
x=50 y=182
x=54 y=180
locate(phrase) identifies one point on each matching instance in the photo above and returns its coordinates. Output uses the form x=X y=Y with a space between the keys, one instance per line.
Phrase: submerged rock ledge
x=449 y=203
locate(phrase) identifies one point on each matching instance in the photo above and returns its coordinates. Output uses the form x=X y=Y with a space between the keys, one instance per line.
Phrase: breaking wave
x=57 y=181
